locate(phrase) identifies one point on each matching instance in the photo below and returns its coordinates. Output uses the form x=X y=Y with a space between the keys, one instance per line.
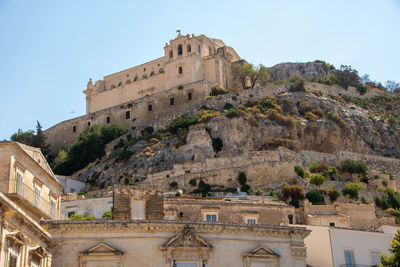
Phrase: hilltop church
x=191 y=65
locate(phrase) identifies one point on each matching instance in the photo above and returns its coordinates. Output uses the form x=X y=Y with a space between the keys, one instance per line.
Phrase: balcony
x=36 y=204
x=358 y=265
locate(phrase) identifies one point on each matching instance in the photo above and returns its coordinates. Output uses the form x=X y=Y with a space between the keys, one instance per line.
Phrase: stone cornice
x=174 y=226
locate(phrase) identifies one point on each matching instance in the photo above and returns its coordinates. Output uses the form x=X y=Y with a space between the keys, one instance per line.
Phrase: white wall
x=319 y=253
x=361 y=242
x=70 y=185
x=93 y=206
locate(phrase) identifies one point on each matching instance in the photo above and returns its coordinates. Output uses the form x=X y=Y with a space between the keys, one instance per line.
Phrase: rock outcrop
x=309 y=70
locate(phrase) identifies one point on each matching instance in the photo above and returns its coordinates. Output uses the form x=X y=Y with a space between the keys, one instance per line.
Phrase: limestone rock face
x=251 y=143
x=307 y=70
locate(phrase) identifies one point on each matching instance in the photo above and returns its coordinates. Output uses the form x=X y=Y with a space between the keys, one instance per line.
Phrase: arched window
x=152 y=73
x=198 y=48
x=189 y=48
x=179 y=49
x=180 y=70
x=171 y=54
x=135 y=79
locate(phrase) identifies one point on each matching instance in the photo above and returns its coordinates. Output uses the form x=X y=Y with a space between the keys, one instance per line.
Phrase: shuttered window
x=138 y=210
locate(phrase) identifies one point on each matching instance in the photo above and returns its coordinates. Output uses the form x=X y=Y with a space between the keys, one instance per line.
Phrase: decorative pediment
x=262 y=252
x=103 y=249
x=188 y=239
x=17 y=237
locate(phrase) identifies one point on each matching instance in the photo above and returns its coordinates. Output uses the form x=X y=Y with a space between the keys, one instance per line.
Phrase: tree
x=26 y=138
x=394 y=260
x=317 y=179
x=40 y=140
x=315 y=197
x=351 y=190
x=347 y=76
x=249 y=75
x=392 y=86
x=365 y=79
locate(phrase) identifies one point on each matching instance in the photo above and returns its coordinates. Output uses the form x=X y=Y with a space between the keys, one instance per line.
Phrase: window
x=12 y=261
x=70 y=213
x=376 y=258
x=88 y=124
x=135 y=79
x=171 y=101
x=332 y=224
x=108 y=119
x=53 y=207
x=128 y=114
x=349 y=257
x=152 y=73
x=189 y=96
x=211 y=217
x=251 y=221
x=74 y=129
x=37 y=195
x=161 y=70
x=184 y=264
x=180 y=70
x=209 y=50
x=138 y=210
x=290 y=217
x=144 y=69
x=171 y=54
x=150 y=107
x=20 y=182
x=189 y=48
x=198 y=48
x=179 y=50
x=120 y=83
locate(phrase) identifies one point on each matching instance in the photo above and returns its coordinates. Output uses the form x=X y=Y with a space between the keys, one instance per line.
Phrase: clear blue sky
x=50 y=49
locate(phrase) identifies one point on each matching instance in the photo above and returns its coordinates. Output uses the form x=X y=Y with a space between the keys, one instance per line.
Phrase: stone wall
x=123 y=197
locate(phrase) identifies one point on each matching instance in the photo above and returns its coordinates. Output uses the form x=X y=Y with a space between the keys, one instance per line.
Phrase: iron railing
x=358 y=265
x=28 y=194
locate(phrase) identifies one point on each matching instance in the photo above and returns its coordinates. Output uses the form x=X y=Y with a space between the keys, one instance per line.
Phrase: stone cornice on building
x=293 y=232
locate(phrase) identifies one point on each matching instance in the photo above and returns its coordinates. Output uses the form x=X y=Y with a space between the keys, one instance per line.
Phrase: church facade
x=155 y=90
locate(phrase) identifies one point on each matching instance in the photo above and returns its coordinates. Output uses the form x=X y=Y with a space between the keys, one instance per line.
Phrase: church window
x=128 y=114
x=144 y=69
x=171 y=101
x=179 y=49
x=74 y=129
x=150 y=107
x=120 y=83
x=88 y=124
x=108 y=119
x=180 y=70
x=190 y=96
x=171 y=54
x=128 y=81
x=152 y=73
x=189 y=48
x=161 y=70
x=135 y=79
x=290 y=217
x=198 y=48
x=211 y=217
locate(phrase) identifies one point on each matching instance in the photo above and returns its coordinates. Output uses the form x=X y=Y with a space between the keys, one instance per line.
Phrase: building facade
x=191 y=65
x=29 y=193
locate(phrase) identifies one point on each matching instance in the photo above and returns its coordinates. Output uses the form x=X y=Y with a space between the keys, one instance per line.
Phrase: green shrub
x=180 y=87
x=385 y=183
x=364 y=201
x=317 y=179
x=79 y=217
x=316 y=167
x=217 y=144
x=333 y=193
x=228 y=106
x=339 y=121
x=90 y=146
x=107 y=214
x=364 y=180
x=232 y=112
x=394 y=200
x=217 y=90
x=147 y=131
x=124 y=155
x=351 y=190
x=362 y=89
x=353 y=166
x=292 y=191
x=298 y=85
x=300 y=171
x=173 y=184
x=193 y=182
x=182 y=122
x=315 y=197
x=381 y=203
x=202 y=188
x=242 y=178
